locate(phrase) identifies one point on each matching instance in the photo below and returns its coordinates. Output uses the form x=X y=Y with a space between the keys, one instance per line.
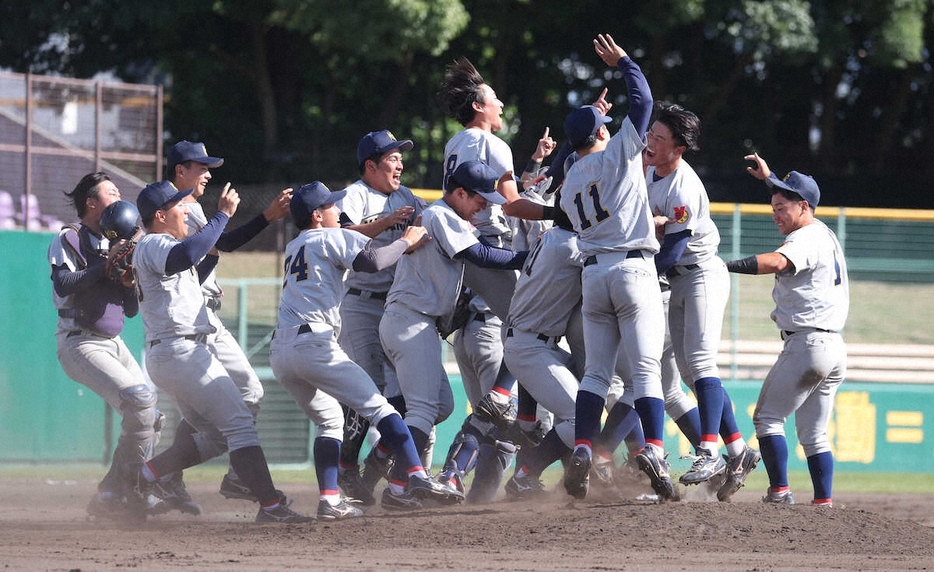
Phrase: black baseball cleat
x=577 y=474
x=282 y=514
x=656 y=468
x=503 y=415
x=401 y=501
x=526 y=487
x=429 y=488
x=352 y=485
x=174 y=493
x=138 y=492
x=339 y=511
x=737 y=469
x=234 y=488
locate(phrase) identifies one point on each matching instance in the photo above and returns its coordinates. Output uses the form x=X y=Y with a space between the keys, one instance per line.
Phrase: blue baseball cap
x=155 y=196
x=379 y=142
x=309 y=198
x=796 y=182
x=187 y=151
x=476 y=177
x=582 y=123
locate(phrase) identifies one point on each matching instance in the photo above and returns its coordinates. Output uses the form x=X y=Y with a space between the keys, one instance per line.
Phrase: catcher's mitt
x=119 y=267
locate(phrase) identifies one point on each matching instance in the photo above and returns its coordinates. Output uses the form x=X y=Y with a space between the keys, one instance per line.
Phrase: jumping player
x=605 y=197
x=169 y=268
x=315 y=370
x=91 y=309
x=812 y=300
x=380 y=207
x=699 y=287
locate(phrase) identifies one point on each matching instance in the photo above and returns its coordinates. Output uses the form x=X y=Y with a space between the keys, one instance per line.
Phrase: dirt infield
x=43 y=526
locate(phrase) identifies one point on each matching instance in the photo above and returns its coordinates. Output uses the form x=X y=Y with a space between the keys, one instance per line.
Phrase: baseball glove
x=119 y=267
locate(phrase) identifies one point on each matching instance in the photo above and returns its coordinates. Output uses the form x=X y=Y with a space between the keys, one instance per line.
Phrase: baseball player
x=812 y=299
x=699 y=287
x=170 y=266
x=426 y=288
x=380 y=207
x=548 y=294
x=466 y=97
x=306 y=357
x=605 y=197
x=189 y=166
x=91 y=310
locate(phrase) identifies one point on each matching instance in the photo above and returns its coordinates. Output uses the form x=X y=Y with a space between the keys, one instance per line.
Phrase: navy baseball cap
x=796 y=182
x=477 y=177
x=379 y=142
x=582 y=123
x=309 y=198
x=154 y=196
x=188 y=151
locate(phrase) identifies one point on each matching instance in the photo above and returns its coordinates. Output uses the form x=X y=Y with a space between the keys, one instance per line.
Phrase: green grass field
x=907 y=483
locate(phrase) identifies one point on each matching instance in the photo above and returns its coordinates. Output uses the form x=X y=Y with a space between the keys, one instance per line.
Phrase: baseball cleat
x=526 y=487
x=402 y=501
x=174 y=493
x=453 y=480
x=106 y=505
x=138 y=491
x=656 y=468
x=281 y=514
x=351 y=483
x=602 y=472
x=429 y=488
x=503 y=415
x=778 y=497
x=339 y=511
x=824 y=503
x=737 y=469
x=704 y=467
x=577 y=474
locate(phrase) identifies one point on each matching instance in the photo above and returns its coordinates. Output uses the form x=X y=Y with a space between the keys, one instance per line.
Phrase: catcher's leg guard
x=493 y=460
x=355 y=429
x=462 y=456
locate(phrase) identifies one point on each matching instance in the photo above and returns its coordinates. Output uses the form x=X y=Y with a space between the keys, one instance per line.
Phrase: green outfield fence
x=882 y=421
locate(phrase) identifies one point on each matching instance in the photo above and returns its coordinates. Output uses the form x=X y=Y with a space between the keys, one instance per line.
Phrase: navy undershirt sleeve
x=492 y=257
x=640 y=96
x=186 y=253
x=67 y=282
x=672 y=248
x=234 y=239
x=208 y=264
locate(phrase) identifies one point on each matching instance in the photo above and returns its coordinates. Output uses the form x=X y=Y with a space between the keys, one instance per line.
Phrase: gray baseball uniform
x=605 y=197
x=92 y=352
x=426 y=287
x=363 y=303
x=222 y=342
x=178 y=360
x=811 y=307
x=304 y=354
x=547 y=294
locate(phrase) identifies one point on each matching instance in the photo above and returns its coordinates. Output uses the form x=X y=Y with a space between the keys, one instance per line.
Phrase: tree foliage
x=285 y=88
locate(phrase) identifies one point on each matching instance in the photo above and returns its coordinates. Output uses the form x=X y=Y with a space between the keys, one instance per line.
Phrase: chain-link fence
x=55 y=130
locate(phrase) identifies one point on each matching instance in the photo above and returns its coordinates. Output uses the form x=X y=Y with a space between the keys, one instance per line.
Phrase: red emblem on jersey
x=681 y=214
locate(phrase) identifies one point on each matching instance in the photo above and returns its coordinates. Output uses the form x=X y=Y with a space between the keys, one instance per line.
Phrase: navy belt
x=592 y=259
x=358 y=292
x=479 y=317
x=791 y=333
x=304 y=329
x=192 y=337
x=214 y=304
x=541 y=337
x=673 y=271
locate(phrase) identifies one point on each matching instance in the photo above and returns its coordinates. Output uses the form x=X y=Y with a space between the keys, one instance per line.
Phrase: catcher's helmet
x=119 y=220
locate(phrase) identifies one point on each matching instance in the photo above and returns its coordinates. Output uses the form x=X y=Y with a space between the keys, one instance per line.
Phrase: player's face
x=387 y=175
x=491 y=109
x=106 y=194
x=174 y=217
x=194 y=176
x=330 y=216
x=661 y=149
x=788 y=215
